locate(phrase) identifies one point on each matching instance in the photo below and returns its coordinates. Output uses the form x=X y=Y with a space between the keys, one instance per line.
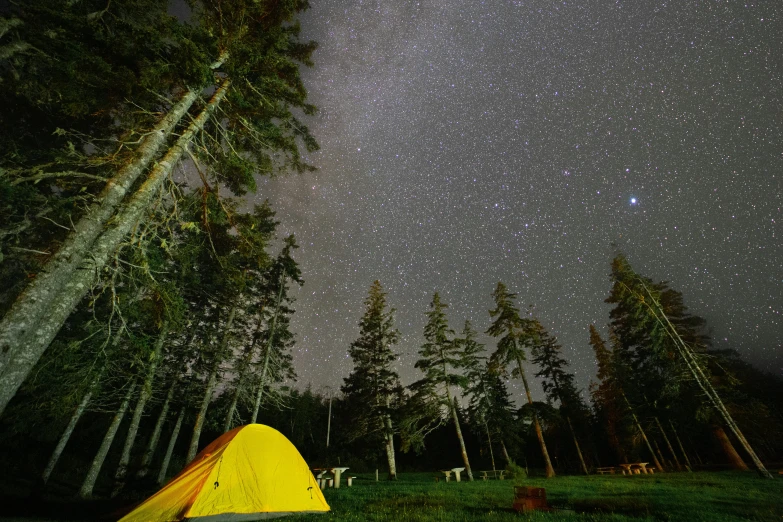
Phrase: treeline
x=661 y=394
x=644 y=405
x=134 y=286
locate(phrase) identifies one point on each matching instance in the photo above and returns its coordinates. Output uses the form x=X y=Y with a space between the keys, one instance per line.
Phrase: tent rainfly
x=250 y=473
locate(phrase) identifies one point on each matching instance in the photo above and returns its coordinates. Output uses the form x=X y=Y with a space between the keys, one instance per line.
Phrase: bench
x=324 y=479
x=349 y=481
x=498 y=474
x=606 y=471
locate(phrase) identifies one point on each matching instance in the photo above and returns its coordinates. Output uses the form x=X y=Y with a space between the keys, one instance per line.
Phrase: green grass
x=708 y=497
x=691 y=497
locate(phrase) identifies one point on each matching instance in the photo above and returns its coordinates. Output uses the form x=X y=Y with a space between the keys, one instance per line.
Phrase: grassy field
x=708 y=497
x=692 y=497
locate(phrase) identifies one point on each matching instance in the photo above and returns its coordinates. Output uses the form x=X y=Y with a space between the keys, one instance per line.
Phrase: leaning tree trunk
x=644 y=435
x=691 y=361
x=202 y=413
x=97 y=463
x=146 y=459
x=232 y=408
x=453 y=409
x=164 y=467
x=489 y=443
x=505 y=452
x=212 y=382
x=240 y=379
x=668 y=444
x=682 y=449
x=660 y=453
x=37 y=316
x=32 y=307
x=66 y=436
x=578 y=449
x=144 y=394
x=267 y=354
x=728 y=448
x=550 y=471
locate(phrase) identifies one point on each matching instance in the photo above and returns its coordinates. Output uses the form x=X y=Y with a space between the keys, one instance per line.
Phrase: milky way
x=466 y=142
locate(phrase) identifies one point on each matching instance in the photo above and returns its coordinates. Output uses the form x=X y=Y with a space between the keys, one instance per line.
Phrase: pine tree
x=373 y=387
x=642 y=317
x=489 y=407
x=441 y=358
x=515 y=334
x=256 y=49
x=558 y=384
x=605 y=394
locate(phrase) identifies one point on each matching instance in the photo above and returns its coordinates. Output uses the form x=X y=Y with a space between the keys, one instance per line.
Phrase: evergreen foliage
x=515 y=335
x=656 y=322
x=372 y=390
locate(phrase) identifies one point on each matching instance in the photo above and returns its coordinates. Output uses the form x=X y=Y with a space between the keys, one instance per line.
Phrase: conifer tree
x=605 y=394
x=372 y=389
x=558 y=384
x=515 y=335
x=440 y=360
x=489 y=407
x=642 y=317
x=255 y=48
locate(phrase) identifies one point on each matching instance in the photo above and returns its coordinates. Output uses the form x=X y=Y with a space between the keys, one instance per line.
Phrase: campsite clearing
x=696 y=497
x=692 y=497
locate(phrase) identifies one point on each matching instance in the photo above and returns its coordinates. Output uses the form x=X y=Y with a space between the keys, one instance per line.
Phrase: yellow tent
x=250 y=473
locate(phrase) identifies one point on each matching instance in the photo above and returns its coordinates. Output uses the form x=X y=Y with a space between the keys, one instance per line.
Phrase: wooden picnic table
x=636 y=468
x=494 y=473
x=337 y=472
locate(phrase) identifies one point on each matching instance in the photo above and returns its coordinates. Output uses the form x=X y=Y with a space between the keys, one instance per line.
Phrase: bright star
x=633 y=201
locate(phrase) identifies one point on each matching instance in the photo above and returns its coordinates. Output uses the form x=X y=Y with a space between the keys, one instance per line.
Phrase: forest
x=146 y=307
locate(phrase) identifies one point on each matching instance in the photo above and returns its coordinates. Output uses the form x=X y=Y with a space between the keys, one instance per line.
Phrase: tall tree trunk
x=550 y=471
x=659 y=452
x=728 y=448
x=668 y=444
x=505 y=452
x=146 y=459
x=388 y=430
x=66 y=436
x=164 y=467
x=240 y=379
x=489 y=443
x=232 y=408
x=578 y=449
x=682 y=449
x=31 y=308
x=390 y=458
x=268 y=355
x=202 y=413
x=144 y=394
x=644 y=435
x=692 y=363
x=454 y=417
x=329 y=421
x=97 y=463
x=36 y=317
x=212 y=382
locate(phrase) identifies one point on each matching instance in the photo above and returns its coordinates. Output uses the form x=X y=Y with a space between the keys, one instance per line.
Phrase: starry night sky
x=466 y=142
